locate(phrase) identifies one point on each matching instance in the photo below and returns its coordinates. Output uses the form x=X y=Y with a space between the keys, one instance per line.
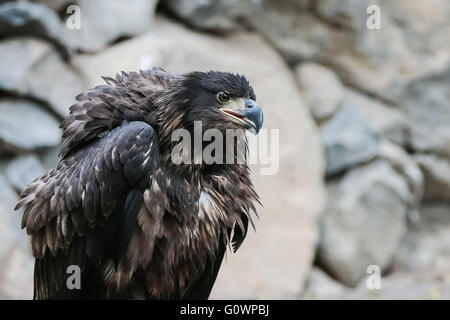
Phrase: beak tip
x=255 y=114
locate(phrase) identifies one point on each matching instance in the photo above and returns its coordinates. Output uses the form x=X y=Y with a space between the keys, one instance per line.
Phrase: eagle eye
x=223 y=96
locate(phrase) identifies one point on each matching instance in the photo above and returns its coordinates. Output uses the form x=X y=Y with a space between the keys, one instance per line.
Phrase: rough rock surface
x=425 y=246
x=384 y=120
x=322 y=286
x=289 y=216
x=348 y=140
x=22 y=18
x=31 y=68
x=16 y=262
x=408 y=168
x=436 y=171
x=364 y=221
x=103 y=21
x=212 y=15
x=408 y=46
x=55 y=5
x=24 y=126
x=425 y=103
x=20 y=171
x=428 y=285
x=322 y=89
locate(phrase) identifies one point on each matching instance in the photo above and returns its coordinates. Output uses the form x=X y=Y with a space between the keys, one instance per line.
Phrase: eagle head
x=220 y=100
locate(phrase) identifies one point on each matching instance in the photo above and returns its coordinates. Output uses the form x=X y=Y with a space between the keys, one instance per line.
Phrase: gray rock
x=386 y=121
x=213 y=15
x=31 y=68
x=344 y=13
x=294 y=31
x=364 y=222
x=23 y=18
x=437 y=176
x=426 y=105
x=25 y=126
x=348 y=141
x=410 y=44
x=56 y=5
x=427 y=285
x=425 y=246
x=49 y=157
x=322 y=286
x=177 y=48
x=322 y=89
x=10 y=221
x=22 y=170
x=16 y=274
x=16 y=262
x=103 y=21
x=408 y=168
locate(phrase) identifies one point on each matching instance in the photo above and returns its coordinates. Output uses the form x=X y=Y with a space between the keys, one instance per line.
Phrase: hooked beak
x=251 y=116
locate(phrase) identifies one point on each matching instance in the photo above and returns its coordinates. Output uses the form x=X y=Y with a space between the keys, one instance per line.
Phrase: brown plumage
x=138 y=225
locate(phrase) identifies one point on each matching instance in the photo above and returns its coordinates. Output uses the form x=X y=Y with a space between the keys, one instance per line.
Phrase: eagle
x=137 y=224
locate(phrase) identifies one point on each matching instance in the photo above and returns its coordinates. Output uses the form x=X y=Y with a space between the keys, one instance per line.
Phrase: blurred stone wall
x=364 y=120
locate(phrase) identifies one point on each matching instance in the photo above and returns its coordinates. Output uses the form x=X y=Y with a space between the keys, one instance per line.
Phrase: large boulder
x=292 y=197
x=293 y=30
x=321 y=286
x=424 y=285
x=23 y=18
x=409 y=45
x=364 y=221
x=426 y=106
x=348 y=140
x=25 y=126
x=31 y=68
x=425 y=246
x=409 y=169
x=103 y=21
x=212 y=15
x=384 y=120
x=322 y=89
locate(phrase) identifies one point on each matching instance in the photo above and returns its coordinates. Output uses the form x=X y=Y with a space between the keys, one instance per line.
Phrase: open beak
x=249 y=115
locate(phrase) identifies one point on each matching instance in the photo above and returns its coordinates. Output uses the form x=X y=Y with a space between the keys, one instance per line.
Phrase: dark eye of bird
x=223 y=96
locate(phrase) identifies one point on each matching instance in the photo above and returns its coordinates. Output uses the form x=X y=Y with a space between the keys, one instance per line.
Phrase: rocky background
x=364 y=120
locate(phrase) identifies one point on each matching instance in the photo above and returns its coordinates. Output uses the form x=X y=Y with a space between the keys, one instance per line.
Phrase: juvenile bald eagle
x=138 y=225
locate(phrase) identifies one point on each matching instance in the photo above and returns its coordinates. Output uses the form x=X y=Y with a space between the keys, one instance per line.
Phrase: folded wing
x=85 y=210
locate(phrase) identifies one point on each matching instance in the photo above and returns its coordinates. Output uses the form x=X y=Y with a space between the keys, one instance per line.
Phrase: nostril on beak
x=249 y=103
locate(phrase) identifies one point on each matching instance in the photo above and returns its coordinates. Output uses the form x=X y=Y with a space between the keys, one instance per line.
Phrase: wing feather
x=128 y=97
x=77 y=198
